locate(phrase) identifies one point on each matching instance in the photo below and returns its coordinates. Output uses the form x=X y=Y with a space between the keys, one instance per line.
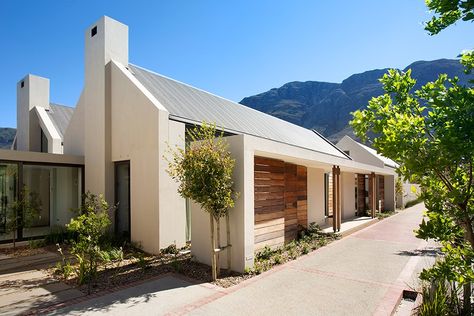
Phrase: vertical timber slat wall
x=280 y=201
x=330 y=197
x=291 y=198
x=269 y=191
x=361 y=207
x=302 y=194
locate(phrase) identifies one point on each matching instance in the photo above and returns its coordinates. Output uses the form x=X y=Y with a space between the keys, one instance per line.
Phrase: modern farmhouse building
x=116 y=137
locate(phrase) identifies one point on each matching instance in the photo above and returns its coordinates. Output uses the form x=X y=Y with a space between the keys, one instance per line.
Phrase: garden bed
x=135 y=265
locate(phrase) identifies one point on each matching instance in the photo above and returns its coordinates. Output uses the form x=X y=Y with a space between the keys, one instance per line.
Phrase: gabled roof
x=60 y=115
x=191 y=105
x=387 y=161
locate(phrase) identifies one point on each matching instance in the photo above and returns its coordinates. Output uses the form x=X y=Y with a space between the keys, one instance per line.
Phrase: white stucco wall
x=35 y=92
x=315 y=193
x=49 y=130
x=358 y=153
x=241 y=216
x=74 y=134
x=348 y=209
x=141 y=133
x=109 y=43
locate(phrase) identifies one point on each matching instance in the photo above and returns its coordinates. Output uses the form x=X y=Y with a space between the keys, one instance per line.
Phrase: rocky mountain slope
x=6 y=137
x=326 y=106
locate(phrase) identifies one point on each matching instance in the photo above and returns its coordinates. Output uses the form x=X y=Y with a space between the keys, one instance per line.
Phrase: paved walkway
x=362 y=274
x=24 y=287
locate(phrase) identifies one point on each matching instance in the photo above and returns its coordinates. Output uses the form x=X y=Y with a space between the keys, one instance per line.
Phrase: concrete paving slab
x=359 y=259
x=34 y=302
x=299 y=293
x=153 y=298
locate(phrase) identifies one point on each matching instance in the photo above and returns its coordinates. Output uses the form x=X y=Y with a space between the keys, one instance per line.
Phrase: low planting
x=384 y=214
x=440 y=297
x=307 y=240
x=413 y=202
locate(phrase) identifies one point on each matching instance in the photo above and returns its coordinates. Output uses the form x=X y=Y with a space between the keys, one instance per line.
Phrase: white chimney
x=31 y=91
x=105 y=40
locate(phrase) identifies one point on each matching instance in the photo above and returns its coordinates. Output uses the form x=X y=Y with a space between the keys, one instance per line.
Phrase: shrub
x=413 y=202
x=90 y=226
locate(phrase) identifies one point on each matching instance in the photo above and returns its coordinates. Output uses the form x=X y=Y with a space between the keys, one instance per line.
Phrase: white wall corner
x=48 y=128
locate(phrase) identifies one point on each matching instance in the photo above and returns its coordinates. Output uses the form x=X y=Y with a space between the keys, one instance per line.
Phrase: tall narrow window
x=44 y=142
x=122 y=199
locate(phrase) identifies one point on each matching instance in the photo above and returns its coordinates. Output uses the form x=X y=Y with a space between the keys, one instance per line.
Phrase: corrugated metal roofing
x=61 y=116
x=190 y=104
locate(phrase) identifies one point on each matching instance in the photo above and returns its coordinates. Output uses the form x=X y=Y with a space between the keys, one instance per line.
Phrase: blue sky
x=230 y=48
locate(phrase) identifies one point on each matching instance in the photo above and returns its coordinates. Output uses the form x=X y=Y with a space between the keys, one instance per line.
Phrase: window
x=347 y=152
x=93 y=31
x=8 y=194
x=44 y=142
x=58 y=190
x=22 y=84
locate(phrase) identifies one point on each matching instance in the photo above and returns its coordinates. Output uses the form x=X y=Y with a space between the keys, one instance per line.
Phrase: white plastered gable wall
x=32 y=117
x=117 y=119
x=358 y=153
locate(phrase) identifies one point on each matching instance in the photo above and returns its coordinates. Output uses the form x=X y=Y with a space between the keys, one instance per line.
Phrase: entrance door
x=122 y=199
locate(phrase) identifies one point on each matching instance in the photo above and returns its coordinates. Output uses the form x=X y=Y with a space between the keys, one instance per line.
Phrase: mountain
x=6 y=137
x=326 y=106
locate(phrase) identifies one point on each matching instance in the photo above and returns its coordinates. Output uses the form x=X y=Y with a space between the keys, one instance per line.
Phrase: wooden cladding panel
x=280 y=201
x=330 y=197
x=269 y=202
x=361 y=206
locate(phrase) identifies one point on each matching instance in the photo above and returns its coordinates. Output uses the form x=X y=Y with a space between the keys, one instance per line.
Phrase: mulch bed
x=23 y=251
x=132 y=269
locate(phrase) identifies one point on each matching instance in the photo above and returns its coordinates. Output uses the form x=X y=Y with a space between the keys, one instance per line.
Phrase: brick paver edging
x=85 y=298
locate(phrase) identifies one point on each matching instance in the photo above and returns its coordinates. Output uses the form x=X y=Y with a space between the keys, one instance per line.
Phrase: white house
x=363 y=153
x=119 y=133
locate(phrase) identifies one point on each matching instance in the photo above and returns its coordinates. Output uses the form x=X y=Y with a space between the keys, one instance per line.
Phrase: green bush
x=59 y=235
x=90 y=226
x=413 y=202
x=440 y=298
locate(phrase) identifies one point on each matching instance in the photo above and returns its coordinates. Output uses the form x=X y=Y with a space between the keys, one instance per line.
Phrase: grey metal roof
x=61 y=116
x=188 y=104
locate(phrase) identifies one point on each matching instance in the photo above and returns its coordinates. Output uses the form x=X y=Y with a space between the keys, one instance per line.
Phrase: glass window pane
x=58 y=193
x=8 y=194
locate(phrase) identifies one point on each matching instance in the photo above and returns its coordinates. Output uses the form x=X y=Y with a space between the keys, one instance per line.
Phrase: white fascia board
x=53 y=136
x=137 y=83
x=306 y=157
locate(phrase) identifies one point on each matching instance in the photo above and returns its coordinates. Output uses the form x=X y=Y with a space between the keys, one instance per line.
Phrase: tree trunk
x=218 y=266
x=213 y=247
x=229 y=248
x=467 y=299
x=467 y=292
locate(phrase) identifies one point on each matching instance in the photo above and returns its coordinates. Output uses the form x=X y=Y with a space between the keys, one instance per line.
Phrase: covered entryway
x=280 y=201
x=370 y=193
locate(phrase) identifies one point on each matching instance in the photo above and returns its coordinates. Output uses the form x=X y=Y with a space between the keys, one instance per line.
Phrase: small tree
x=23 y=212
x=203 y=170
x=399 y=190
x=89 y=226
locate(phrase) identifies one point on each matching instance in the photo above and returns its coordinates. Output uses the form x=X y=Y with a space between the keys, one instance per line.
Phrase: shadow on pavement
x=428 y=252
x=127 y=297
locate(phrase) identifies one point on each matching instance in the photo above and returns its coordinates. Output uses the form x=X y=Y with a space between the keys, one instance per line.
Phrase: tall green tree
x=430 y=133
x=203 y=170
